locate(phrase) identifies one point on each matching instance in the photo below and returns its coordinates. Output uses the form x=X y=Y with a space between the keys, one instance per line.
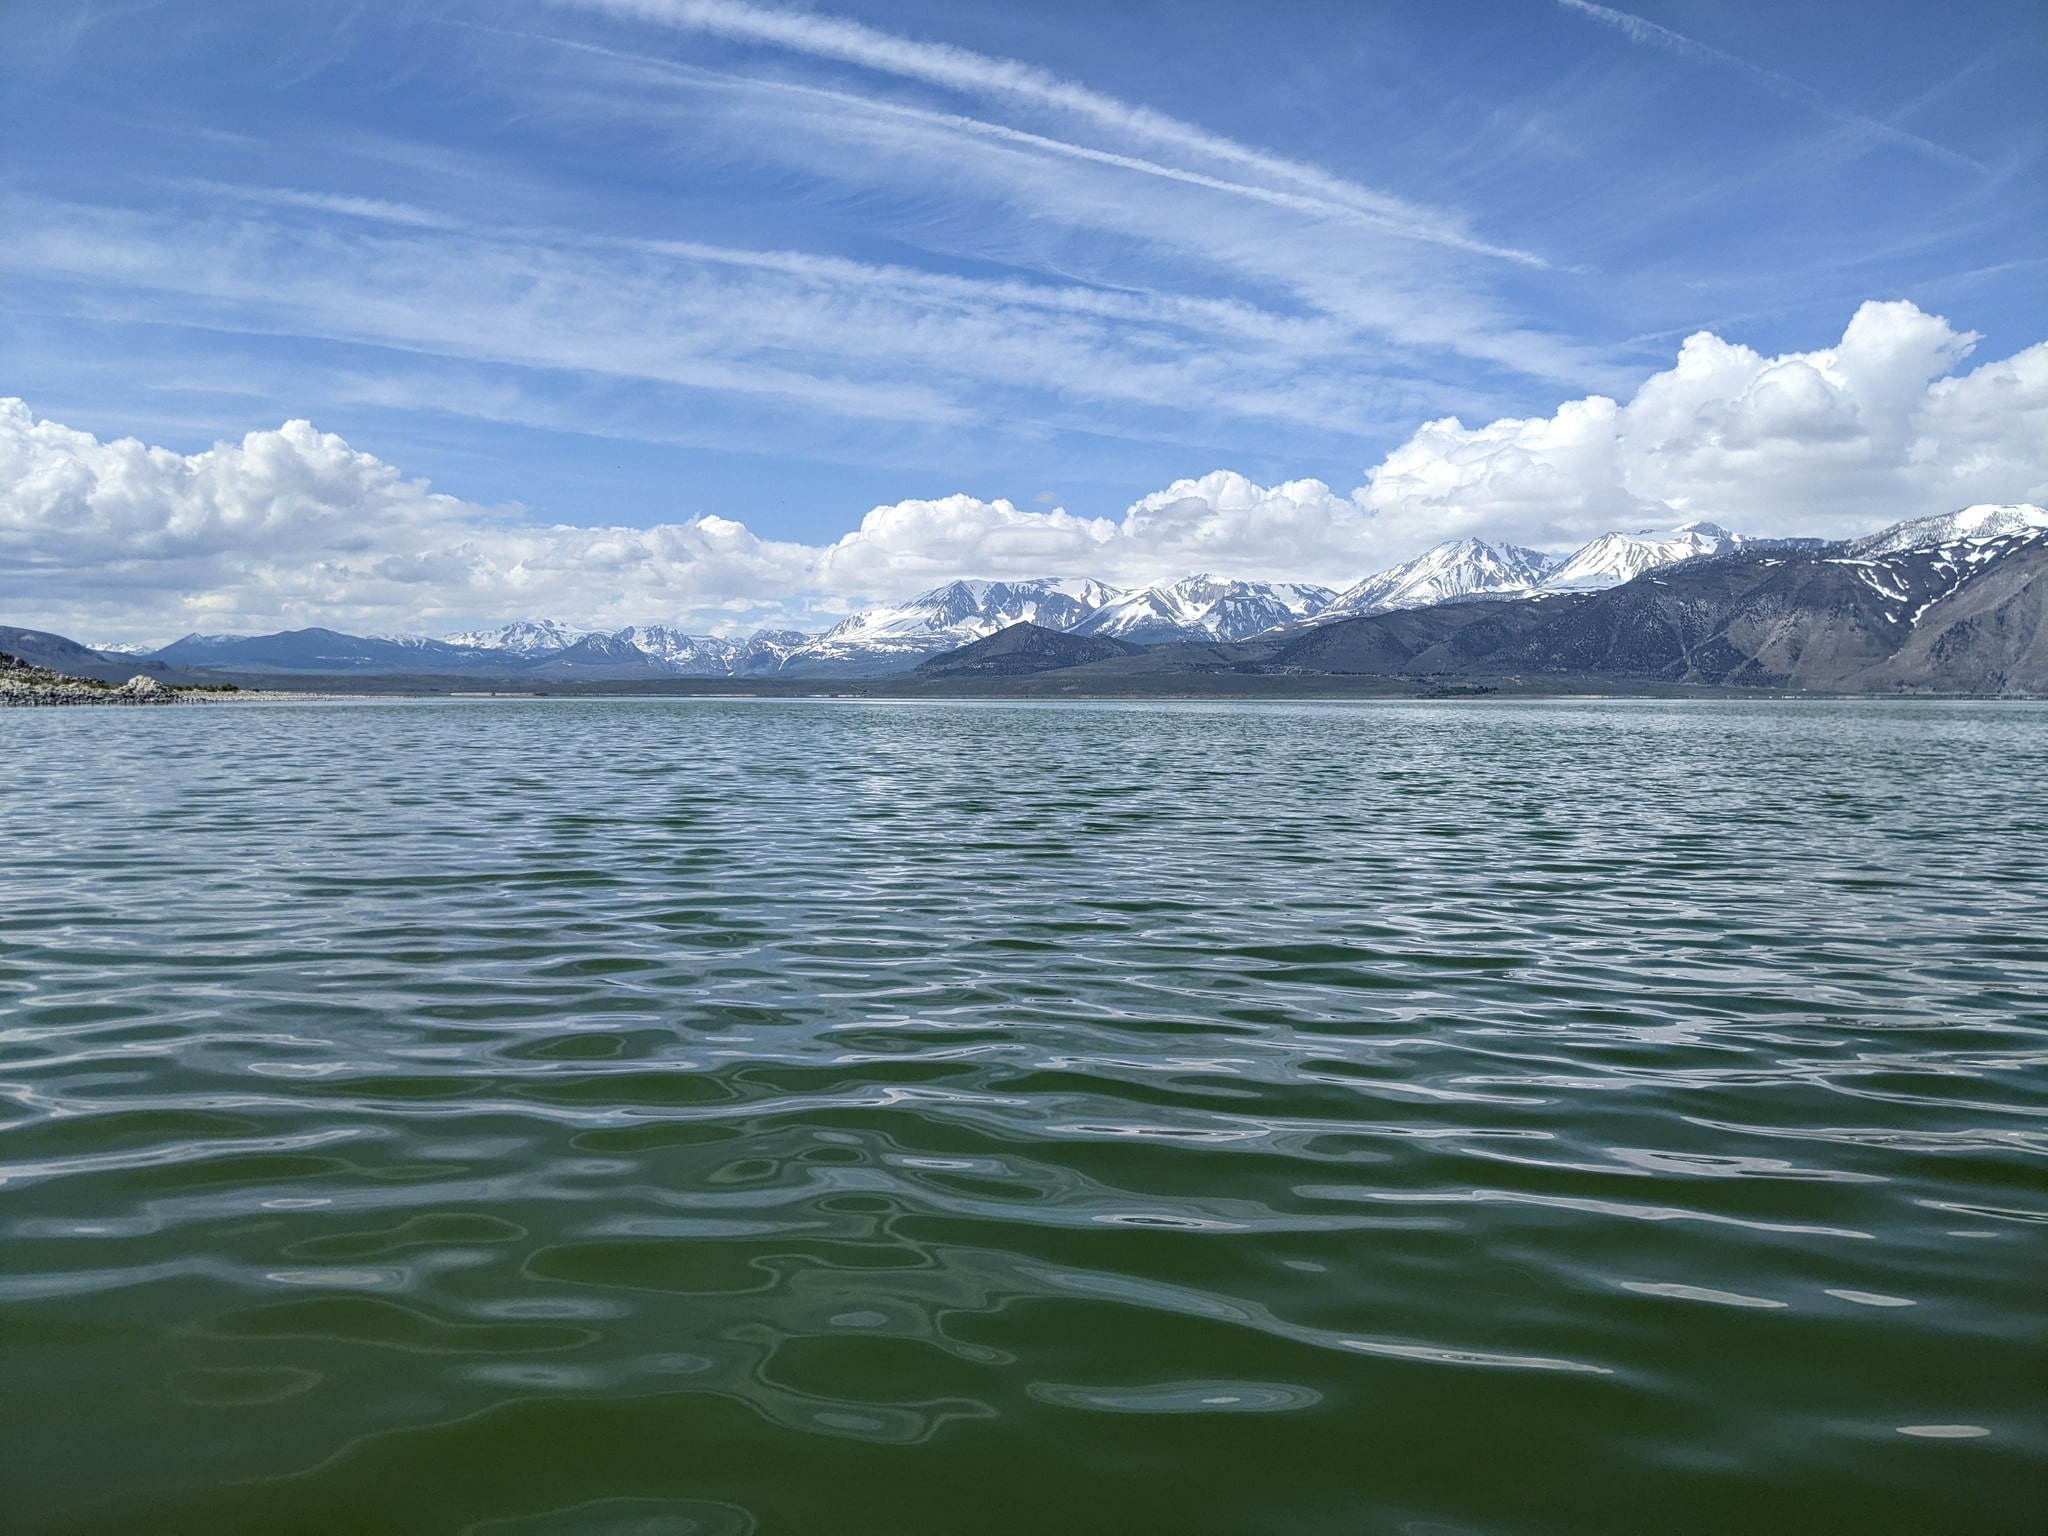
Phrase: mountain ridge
x=1204 y=607
x=1615 y=558
x=1200 y=610
x=1457 y=568
x=1962 y=616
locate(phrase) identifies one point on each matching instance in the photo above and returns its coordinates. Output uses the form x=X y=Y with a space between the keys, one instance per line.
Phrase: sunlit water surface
x=640 y=1118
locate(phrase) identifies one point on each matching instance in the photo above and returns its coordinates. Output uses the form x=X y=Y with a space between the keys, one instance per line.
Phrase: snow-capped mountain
x=659 y=647
x=973 y=607
x=1473 y=568
x=1913 y=566
x=1972 y=525
x=946 y=618
x=1454 y=569
x=764 y=652
x=696 y=655
x=769 y=649
x=1614 y=558
x=522 y=637
x=1203 y=608
x=1944 y=605
x=899 y=636
x=1250 y=608
x=1909 y=565
x=1947 y=604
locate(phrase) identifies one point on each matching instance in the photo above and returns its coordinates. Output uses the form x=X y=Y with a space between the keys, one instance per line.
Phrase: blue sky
x=630 y=263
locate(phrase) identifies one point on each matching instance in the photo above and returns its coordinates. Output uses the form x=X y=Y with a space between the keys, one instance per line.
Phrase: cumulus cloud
x=1222 y=523
x=295 y=527
x=117 y=540
x=1829 y=442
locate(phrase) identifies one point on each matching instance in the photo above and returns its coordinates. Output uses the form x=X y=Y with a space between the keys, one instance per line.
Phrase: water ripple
x=732 y=1116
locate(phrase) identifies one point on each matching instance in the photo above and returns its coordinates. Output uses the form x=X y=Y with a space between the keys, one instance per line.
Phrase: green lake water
x=647 y=1118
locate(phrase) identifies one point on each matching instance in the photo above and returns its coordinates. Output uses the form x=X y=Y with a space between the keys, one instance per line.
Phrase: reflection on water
x=714 y=1117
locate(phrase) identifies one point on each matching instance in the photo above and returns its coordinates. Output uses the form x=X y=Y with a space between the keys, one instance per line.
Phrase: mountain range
x=1952 y=604
x=1466 y=606
x=896 y=638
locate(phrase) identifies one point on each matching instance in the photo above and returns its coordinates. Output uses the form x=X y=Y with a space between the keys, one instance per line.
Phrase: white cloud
x=293 y=527
x=1830 y=442
x=1225 y=525
x=1221 y=523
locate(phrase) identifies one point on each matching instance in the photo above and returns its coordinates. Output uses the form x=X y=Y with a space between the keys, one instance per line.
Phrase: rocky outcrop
x=23 y=684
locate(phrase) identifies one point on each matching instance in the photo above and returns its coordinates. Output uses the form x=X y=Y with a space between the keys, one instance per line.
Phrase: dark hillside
x=1024 y=649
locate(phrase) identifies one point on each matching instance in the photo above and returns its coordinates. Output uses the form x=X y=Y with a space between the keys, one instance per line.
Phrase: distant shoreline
x=1250 y=690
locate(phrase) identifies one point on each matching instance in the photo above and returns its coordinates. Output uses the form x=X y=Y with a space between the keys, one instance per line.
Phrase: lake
x=648 y=1117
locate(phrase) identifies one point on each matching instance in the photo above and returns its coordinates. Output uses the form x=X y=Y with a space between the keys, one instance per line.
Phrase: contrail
x=980 y=74
x=1650 y=35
